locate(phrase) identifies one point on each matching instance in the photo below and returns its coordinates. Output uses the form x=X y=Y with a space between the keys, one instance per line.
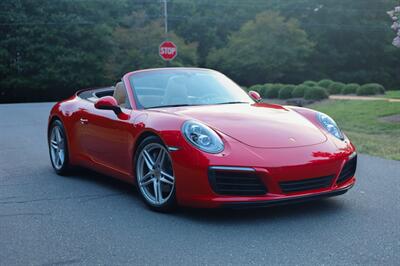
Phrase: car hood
x=257 y=125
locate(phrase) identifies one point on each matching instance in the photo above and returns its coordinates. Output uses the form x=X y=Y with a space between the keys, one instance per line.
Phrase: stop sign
x=168 y=50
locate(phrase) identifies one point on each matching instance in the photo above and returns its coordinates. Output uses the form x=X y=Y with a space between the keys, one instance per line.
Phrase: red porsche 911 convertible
x=192 y=137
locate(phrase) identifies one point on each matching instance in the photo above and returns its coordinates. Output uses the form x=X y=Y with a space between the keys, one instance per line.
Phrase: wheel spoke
x=54 y=144
x=61 y=156
x=58 y=160
x=167 y=177
x=58 y=135
x=147 y=179
x=160 y=158
x=166 y=181
x=148 y=160
x=157 y=191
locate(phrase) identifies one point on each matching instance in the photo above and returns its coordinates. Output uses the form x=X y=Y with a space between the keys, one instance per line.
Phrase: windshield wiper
x=172 y=105
x=232 y=102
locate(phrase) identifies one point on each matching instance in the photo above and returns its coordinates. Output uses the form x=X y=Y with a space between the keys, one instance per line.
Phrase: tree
x=264 y=49
x=137 y=41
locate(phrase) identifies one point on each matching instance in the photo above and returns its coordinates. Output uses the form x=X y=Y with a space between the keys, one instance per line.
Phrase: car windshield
x=185 y=87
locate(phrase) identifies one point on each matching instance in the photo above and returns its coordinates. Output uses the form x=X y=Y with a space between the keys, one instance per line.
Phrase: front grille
x=348 y=171
x=306 y=184
x=236 y=183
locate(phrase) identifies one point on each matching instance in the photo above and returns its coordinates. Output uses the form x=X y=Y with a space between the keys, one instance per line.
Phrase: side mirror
x=255 y=96
x=108 y=103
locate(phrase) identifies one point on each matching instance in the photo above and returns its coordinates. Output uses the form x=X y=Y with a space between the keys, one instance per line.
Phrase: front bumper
x=273 y=166
x=287 y=200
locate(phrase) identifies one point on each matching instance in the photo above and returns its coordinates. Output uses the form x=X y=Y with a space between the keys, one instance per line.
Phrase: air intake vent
x=236 y=182
x=348 y=171
x=306 y=184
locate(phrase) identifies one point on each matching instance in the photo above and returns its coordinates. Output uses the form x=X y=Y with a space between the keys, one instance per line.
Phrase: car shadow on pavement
x=101 y=180
x=304 y=210
x=329 y=206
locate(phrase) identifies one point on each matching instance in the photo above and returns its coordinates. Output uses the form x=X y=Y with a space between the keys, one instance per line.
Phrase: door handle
x=84 y=121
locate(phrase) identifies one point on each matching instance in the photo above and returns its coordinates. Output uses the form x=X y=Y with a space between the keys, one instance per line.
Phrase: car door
x=106 y=139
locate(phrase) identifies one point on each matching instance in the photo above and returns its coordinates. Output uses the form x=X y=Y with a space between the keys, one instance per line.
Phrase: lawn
x=361 y=122
x=392 y=94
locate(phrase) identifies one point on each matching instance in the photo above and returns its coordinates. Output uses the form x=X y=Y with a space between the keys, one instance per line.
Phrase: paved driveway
x=91 y=219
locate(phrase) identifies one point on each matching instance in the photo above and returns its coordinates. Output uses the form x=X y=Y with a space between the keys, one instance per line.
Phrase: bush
x=310 y=83
x=265 y=88
x=299 y=91
x=378 y=88
x=336 y=88
x=325 y=83
x=286 y=91
x=315 y=93
x=370 y=89
x=350 y=88
x=273 y=91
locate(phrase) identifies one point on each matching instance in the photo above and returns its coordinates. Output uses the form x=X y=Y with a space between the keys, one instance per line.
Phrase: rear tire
x=154 y=175
x=58 y=148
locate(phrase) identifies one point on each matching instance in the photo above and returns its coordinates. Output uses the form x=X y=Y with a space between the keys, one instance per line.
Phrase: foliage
x=370 y=89
x=259 y=43
x=325 y=83
x=299 y=91
x=49 y=49
x=395 y=16
x=365 y=127
x=286 y=91
x=310 y=83
x=133 y=35
x=272 y=91
x=315 y=93
x=336 y=88
x=350 y=88
x=393 y=94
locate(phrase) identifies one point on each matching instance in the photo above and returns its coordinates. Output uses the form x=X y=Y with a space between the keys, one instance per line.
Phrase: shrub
x=264 y=89
x=273 y=91
x=370 y=89
x=299 y=91
x=315 y=93
x=350 y=88
x=325 y=83
x=336 y=88
x=310 y=83
x=286 y=91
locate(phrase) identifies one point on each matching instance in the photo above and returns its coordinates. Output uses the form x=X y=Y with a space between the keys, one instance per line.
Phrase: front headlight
x=202 y=137
x=330 y=125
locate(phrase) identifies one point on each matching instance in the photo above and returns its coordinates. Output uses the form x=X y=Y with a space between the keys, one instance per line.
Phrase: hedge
x=273 y=91
x=310 y=83
x=286 y=91
x=336 y=88
x=325 y=83
x=315 y=93
x=299 y=91
x=350 y=88
x=370 y=89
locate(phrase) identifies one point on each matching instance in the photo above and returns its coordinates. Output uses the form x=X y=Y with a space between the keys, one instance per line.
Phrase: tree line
x=49 y=49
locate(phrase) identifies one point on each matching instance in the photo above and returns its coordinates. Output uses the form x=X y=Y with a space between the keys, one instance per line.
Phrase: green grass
x=392 y=94
x=360 y=121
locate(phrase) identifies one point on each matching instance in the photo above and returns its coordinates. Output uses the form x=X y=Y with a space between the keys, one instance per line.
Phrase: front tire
x=58 y=148
x=154 y=175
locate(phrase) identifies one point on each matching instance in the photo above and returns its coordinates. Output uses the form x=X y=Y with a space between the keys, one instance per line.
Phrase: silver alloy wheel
x=154 y=174
x=57 y=148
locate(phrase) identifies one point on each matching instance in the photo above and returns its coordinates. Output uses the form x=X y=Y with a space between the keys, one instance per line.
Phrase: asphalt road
x=91 y=219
